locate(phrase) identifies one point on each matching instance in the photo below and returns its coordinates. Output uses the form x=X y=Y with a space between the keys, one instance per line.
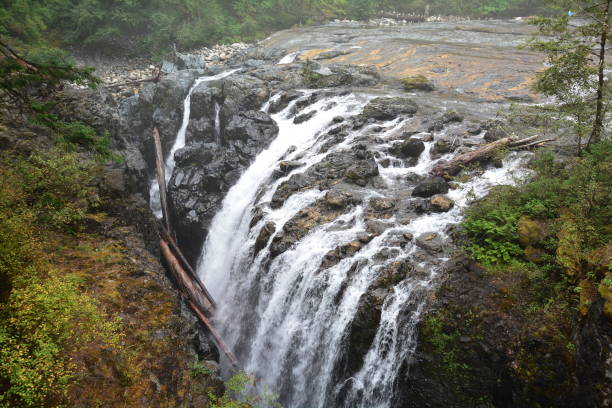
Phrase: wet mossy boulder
x=530 y=232
x=417 y=83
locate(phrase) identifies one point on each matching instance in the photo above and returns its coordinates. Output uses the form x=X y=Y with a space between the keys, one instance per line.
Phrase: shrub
x=58 y=187
x=573 y=198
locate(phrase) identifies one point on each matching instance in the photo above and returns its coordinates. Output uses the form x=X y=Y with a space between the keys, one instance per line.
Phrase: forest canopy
x=138 y=26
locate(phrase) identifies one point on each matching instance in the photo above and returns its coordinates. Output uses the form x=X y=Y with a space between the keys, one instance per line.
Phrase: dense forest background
x=137 y=26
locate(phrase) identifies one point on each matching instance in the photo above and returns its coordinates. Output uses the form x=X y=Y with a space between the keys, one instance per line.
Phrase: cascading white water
x=287 y=319
x=179 y=142
x=289 y=58
x=218 y=123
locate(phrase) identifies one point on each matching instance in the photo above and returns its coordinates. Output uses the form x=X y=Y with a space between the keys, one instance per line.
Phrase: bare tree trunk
x=161 y=178
x=599 y=114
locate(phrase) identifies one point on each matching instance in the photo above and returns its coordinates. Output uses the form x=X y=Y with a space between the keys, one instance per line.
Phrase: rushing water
x=286 y=319
x=179 y=142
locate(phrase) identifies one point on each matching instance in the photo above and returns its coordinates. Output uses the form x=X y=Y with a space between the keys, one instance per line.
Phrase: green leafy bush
x=572 y=198
x=241 y=392
x=494 y=237
x=44 y=315
x=58 y=187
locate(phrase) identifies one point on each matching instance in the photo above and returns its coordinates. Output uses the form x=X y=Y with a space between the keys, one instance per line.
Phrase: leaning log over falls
x=190 y=286
x=455 y=165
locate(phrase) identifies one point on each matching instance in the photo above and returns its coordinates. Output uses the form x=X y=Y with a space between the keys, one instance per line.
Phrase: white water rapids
x=287 y=320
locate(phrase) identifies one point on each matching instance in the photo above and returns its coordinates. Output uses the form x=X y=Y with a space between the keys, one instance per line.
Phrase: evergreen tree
x=575 y=46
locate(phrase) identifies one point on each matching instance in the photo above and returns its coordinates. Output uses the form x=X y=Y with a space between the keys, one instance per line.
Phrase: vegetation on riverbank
x=140 y=26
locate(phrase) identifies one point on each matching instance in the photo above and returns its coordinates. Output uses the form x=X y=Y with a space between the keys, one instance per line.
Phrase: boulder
x=338 y=199
x=495 y=131
x=381 y=204
x=441 y=203
x=430 y=187
x=530 y=232
x=264 y=236
x=418 y=83
x=411 y=147
x=431 y=242
x=452 y=116
x=305 y=117
x=441 y=147
x=361 y=172
x=389 y=108
x=289 y=165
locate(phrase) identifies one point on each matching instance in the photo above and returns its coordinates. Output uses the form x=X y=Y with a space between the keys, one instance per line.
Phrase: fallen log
x=161 y=178
x=213 y=332
x=174 y=246
x=456 y=164
x=183 y=280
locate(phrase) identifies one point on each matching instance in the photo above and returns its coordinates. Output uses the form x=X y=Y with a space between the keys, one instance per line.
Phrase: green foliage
x=241 y=392
x=137 y=26
x=44 y=315
x=42 y=321
x=58 y=187
x=572 y=198
x=575 y=72
x=71 y=135
x=444 y=344
x=494 y=236
x=39 y=71
x=199 y=368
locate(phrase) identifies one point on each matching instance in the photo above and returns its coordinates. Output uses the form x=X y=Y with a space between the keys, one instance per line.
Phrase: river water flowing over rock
x=293 y=319
x=305 y=196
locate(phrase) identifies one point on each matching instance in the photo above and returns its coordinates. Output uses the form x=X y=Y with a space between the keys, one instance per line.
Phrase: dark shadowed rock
x=411 y=147
x=431 y=186
x=305 y=117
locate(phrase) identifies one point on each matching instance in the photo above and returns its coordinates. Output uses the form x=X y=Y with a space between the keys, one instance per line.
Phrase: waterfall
x=286 y=319
x=179 y=142
x=218 y=137
x=289 y=58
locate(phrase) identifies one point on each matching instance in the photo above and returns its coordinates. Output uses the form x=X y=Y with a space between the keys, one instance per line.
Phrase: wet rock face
x=364 y=326
x=476 y=348
x=205 y=171
x=303 y=222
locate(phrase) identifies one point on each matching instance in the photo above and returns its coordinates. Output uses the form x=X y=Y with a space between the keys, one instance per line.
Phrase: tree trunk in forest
x=599 y=114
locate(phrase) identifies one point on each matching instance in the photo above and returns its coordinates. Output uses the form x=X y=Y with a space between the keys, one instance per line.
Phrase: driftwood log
x=456 y=164
x=190 y=286
x=161 y=177
x=194 y=298
x=165 y=235
x=184 y=281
